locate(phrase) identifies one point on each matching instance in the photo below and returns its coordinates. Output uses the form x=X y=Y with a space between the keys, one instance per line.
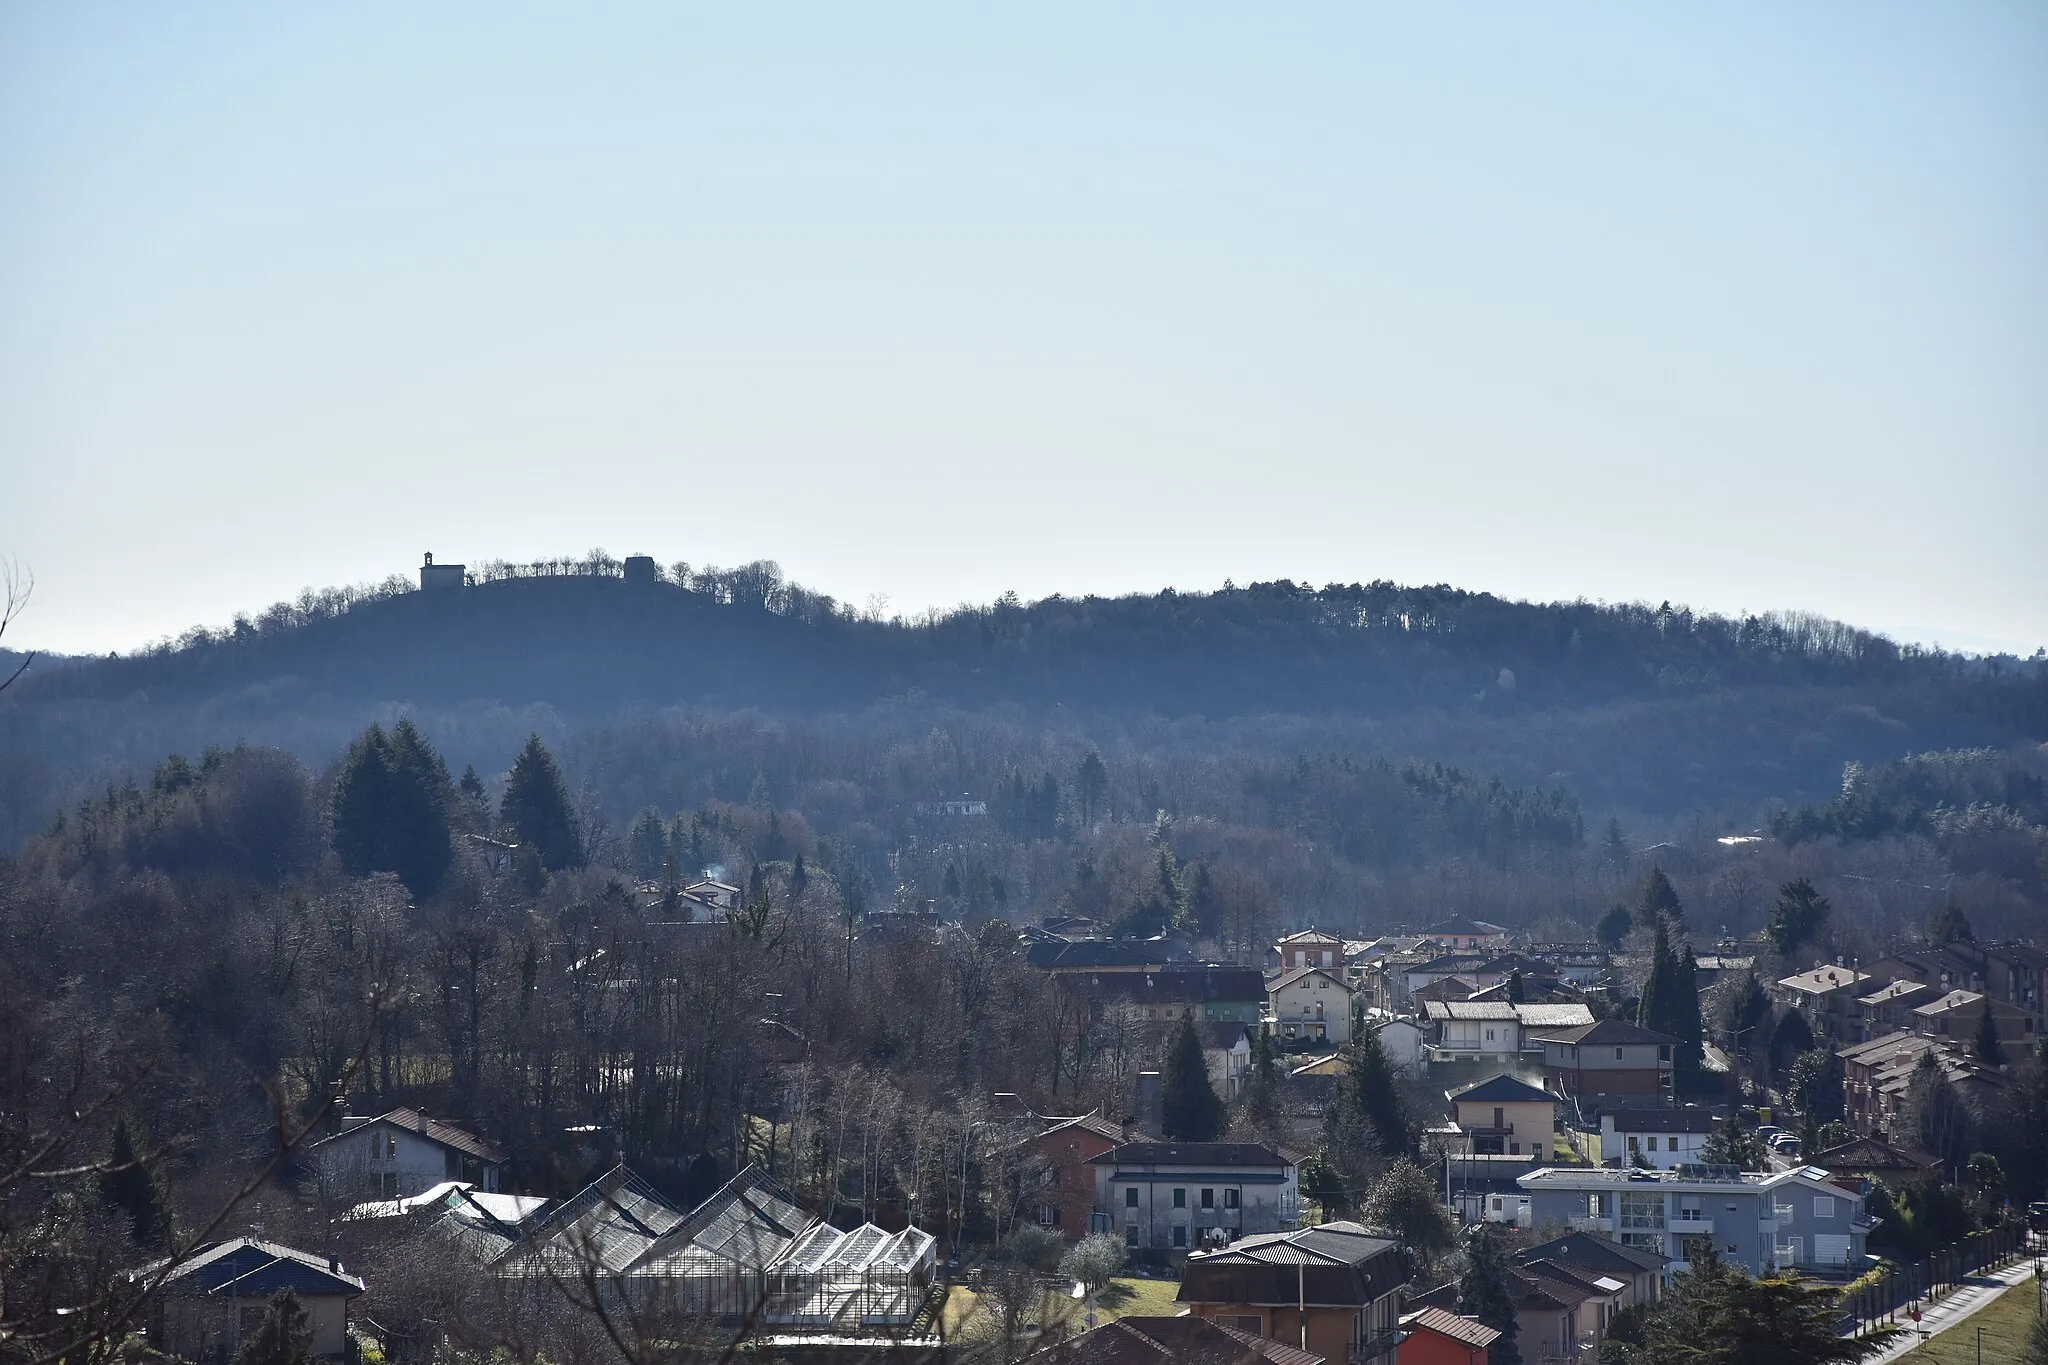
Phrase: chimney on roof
x=421 y=1116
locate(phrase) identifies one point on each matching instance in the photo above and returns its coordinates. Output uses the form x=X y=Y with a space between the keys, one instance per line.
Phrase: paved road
x=1977 y=1291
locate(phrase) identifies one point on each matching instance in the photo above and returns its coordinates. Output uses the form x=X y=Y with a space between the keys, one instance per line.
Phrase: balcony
x=1692 y=1227
x=1587 y=1223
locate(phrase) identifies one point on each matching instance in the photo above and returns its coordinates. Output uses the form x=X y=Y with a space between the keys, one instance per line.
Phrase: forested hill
x=1637 y=706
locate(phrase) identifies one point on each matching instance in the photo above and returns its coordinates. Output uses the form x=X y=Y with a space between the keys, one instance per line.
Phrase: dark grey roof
x=1590 y=1251
x=1662 y=1120
x=1503 y=1089
x=1338 y=1263
x=1609 y=1032
x=432 y=1129
x=248 y=1268
x=1095 y=952
x=1203 y=1154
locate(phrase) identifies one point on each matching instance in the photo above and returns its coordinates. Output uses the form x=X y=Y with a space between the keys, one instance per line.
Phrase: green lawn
x=1125 y=1297
x=2006 y=1324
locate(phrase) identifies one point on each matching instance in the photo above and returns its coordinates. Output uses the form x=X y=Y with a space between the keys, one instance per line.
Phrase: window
x=1048 y=1216
x=1651 y=1146
x=1209 y=1199
x=1180 y=1198
x=1823 y=1206
x=1230 y=1199
x=1322 y=983
x=1131 y=1197
x=1489 y=1035
x=1180 y=1235
x=1689 y=1210
x=1617 y=1054
x=1131 y=1236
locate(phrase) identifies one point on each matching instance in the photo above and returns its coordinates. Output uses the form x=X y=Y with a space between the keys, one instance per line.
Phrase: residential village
x=1549 y=1123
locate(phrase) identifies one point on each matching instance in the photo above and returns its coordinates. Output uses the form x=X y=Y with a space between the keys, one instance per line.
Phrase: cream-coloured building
x=1508 y=1117
x=217 y=1299
x=1310 y=1002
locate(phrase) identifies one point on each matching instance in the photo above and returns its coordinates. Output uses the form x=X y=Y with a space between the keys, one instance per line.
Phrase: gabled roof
x=1463 y=927
x=1294 y=974
x=249 y=1268
x=1553 y=1016
x=432 y=1129
x=1609 y=1032
x=1207 y=1155
x=1591 y=1251
x=1342 y=1264
x=1087 y=1123
x=1503 y=1089
x=1874 y=1154
x=1305 y=936
x=1223 y=1034
x=1689 y=1120
x=1496 y=1010
x=1059 y=954
x=1465 y=1331
x=618 y=1216
x=1185 y=1340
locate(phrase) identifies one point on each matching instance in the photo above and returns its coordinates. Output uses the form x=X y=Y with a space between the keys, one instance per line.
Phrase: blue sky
x=1741 y=306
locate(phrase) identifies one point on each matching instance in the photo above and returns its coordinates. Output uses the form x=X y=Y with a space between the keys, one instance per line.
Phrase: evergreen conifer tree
x=536 y=808
x=1659 y=902
x=1987 y=1047
x=1262 y=1090
x=1486 y=1291
x=1189 y=1109
x=647 y=844
x=129 y=1185
x=1365 y=1126
x=285 y=1338
x=391 y=808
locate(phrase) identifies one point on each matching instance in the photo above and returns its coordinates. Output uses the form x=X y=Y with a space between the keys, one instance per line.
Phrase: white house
x=1401 y=1040
x=1310 y=1002
x=1466 y=1028
x=402 y=1153
x=1227 y=1049
x=1182 y=1196
x=1667 y=1138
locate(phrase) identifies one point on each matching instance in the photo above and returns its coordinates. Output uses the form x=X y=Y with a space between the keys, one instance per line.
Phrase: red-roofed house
x=404 y=1152
x=1437 y=1336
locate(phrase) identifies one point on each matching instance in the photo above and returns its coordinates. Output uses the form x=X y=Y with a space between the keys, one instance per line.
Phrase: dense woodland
x=204 y=943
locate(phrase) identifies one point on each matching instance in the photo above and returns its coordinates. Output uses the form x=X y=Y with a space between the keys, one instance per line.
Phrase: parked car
x=2037 y=1215
x=1785 y=1145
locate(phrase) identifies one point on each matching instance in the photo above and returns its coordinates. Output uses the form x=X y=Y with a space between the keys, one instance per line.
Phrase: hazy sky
x=1744 y=306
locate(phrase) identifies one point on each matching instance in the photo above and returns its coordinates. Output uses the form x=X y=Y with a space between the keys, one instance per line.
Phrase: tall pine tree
x=130 y=1186
x=536 y=808
x=391 y=808
x=1189 y=1109
x=1486 y=1291
x=1365 y=1127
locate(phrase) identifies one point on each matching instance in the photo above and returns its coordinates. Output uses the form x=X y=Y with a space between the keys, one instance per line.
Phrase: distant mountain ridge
x=1639 y=706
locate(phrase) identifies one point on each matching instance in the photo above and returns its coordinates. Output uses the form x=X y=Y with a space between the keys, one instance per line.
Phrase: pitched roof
x=1874 y=1154
x=1224 y=1034
x=1061 y=955
x=1088 y=1123
x=1338 y=1263
x=1460 y=925
x=1499 y=1010
x=1191 y=1154
x=250 y=1268
x=1311 y=936
x=1185 y=1340
x=432 y=1129
x=1950 y=1003
x=1688 y=1120
x=1591 y=1251
x=1294 y=974
x=1503 y=1089
x=1553 y=1016
x=1465 y=1331
x=1609 y=1032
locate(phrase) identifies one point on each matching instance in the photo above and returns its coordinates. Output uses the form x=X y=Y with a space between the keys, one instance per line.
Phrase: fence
x=1906 y=1285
